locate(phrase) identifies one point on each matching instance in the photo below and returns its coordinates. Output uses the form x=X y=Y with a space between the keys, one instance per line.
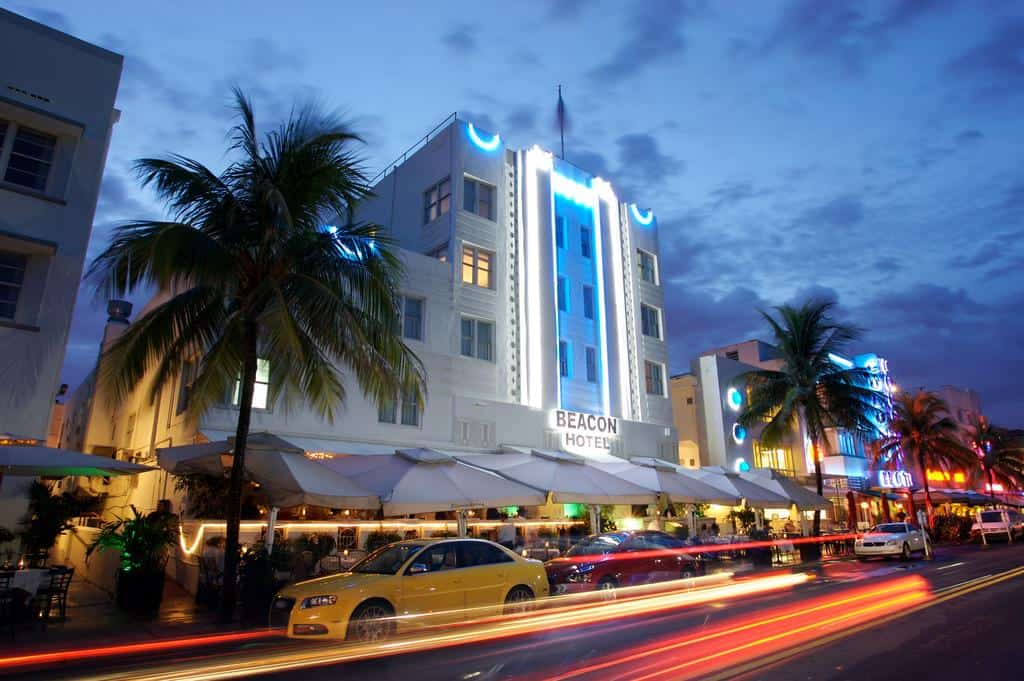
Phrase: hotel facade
x=531 y=294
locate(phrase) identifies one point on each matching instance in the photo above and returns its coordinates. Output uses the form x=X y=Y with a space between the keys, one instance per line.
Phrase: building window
x=654 y=378
x=777 y=458
x=387 y=411
x=440 y=253
x=648 y=265
x=588 y=301
x=650 y=321
x=260 y=390
x=559 y=231
x=12 y=275
x=188 y=376
x=476 y=266
x=563 y=294
x=478 y=197
x=412 y=318
x=734 y=355
x=592 y=365
x=437 y=200
x=477 y=339
x=563 y=359
x=407 y=413
x=31 y=157
x=689 y=400
x=585 y=245
x=410 y=411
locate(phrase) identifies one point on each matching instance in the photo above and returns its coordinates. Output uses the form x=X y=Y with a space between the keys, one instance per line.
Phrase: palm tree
x=810 y=388
x=922 y=431
x=248 y=269
x=1000 y=452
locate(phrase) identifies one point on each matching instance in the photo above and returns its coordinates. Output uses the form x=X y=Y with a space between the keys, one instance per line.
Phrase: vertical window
x=563 y=294
x=12 y=275
x=410 y=411
x=260 y=390
x=478 y=197
x=654 y=379
x=387 y=411
x=437 y=200
x=588 y=301
x=592 y=365
x=477 y=339
x=31 y=158
x=476 y=266
x=650 y=321
x=412 y=318
x=648 y=266
x=563 y=358
x=560 y=231
x=585 y=248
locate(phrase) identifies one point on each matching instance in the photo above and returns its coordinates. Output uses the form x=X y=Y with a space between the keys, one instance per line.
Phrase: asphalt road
x=964 y=624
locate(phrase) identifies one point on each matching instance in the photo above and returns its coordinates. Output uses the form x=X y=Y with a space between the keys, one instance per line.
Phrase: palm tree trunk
x=819 y=481
x=929 y=509
x=233 y=514
x=991 y=481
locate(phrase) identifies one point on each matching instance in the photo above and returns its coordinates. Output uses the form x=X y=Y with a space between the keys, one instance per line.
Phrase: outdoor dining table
x=30 y=579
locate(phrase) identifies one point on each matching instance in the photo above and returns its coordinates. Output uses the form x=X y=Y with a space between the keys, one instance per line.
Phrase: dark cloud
x=264 y=55
x=117 y=200
x=731 y=194
x=591 y=161
x=654 y=31
x=968 y=137
x=842 y=212
x=699 y=320
x=641 y=157
x=461 y=39
x=995 y=65
x=522 y=120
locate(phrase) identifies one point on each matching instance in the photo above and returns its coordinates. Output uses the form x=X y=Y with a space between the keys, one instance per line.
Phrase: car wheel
x=906 y=553
x=519 y=599
x=371 y=622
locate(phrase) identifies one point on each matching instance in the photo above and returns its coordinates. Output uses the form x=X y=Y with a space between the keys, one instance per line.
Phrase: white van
x=996 y=522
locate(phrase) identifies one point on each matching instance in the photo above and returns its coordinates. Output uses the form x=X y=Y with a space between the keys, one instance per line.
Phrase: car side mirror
x=418 y=568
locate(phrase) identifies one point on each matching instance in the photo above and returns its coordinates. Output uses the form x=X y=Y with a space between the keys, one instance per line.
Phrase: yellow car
x=410 y=584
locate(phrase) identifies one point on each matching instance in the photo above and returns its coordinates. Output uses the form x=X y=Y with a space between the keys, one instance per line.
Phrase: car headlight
x=893 y=542
x=317 y=601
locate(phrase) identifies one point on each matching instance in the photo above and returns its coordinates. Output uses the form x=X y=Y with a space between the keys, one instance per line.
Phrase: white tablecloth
x=30 y=580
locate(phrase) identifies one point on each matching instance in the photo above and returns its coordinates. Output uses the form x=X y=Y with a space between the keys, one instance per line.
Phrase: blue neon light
x=575 y=191
x=485 y=144
x=739 y=434
x=841 y=361
x=639 y=217
x=742 y=466
x=735 y=398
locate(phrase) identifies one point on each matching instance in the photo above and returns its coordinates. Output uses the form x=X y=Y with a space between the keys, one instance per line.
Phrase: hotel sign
x=585 y=432
x=895 y=479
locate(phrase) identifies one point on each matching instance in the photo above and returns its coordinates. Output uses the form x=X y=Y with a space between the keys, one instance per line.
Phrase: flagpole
x=561 y=121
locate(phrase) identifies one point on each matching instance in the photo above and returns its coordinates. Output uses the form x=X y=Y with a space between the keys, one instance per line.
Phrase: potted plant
x=143 y=542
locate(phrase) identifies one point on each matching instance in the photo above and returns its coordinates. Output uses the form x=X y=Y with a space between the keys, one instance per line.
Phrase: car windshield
x=387 y=560
x=597 y=545
x=991 y=516
x=890 y=528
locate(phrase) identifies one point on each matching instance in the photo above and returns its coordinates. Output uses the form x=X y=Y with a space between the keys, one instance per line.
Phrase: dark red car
x=606 y=561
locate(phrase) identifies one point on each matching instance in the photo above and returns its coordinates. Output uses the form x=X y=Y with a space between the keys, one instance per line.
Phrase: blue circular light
x=735 y=399
x=742 y=466
x=644 y=219
x=485 y=144
x=739 y=434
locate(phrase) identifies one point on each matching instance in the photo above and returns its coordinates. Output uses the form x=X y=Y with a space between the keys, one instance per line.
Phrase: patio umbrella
x=803 y=498
x=566 y=477
x=285 y=475
x=664 y=477
x=425 y=480
x=732 y=483
x=27 y=459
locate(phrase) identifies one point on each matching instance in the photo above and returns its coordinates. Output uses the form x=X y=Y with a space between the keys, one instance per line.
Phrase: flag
x=561 y=120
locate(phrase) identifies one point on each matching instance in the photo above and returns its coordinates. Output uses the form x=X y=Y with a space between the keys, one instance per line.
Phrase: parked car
x=613 y=559
x=893 y=539
x=448 y=580
x=994 y=524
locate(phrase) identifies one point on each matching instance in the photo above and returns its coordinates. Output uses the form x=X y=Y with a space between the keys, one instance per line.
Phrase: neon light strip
x=552 y=183
x=841 y=361
x=536 y=161
x=485 y=144
x=606 y=399
x=644 y=220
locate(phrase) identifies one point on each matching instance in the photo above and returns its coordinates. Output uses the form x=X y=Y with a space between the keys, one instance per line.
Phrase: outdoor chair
x=55 y=594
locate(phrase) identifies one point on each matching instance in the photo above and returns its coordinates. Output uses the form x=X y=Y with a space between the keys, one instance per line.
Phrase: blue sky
x=869 y=152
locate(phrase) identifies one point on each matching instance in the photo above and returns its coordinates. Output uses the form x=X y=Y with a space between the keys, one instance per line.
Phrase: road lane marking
x=951 y=565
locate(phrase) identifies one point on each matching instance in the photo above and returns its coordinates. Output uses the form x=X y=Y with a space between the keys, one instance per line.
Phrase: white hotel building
x=530 y=289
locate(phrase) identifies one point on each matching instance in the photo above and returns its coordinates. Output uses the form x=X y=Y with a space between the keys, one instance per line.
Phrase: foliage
x=952 y=528
x=1000 y=453
x=922 y=431
x=249 y=268
x=142 y=540
x=608 y=523
x=319 y=545
x=48 y=515
x=257 y=583
x=745 y=518
x=809 y=386
x=206 y=495
x=378 y=539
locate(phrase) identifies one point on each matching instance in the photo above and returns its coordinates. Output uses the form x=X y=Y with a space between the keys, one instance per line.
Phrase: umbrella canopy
x=425 y=480
x=803 y=498
x=733 y=484
x=285 y=475
x=566 y=477
x=38 y=460
x=664 y=477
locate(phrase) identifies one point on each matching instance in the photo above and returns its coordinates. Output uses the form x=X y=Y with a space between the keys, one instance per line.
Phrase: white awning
x=316 y=444
x=797 y=494
x=665 y=478
x=734 y=485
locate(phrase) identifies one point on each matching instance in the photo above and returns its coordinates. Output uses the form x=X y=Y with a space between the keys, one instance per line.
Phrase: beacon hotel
x=532 y=295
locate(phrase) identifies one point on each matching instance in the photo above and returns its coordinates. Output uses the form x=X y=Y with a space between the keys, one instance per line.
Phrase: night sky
x=868 y=152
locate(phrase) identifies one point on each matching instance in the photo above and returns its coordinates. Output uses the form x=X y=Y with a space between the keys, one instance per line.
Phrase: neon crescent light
x=641 y=218
x=739 y=433
x=735 y=399
x=485 y=144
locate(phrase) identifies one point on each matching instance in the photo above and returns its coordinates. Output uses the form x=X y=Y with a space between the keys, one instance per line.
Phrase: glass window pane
x=585 y=242
x=410 y=412
x=563 y=358
x=444 y=188
x=592 y=365
x=483 y=263
x=386 y=412
x=412 y=323
x=467 y=265
x=485 y=341
x=560 y=231
x=259 y=396
x=444 y=205
x=563 y=295
x=486 y=205
x=467 y=337
x=469 y=195
x=588 y=302
x=262 y=370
